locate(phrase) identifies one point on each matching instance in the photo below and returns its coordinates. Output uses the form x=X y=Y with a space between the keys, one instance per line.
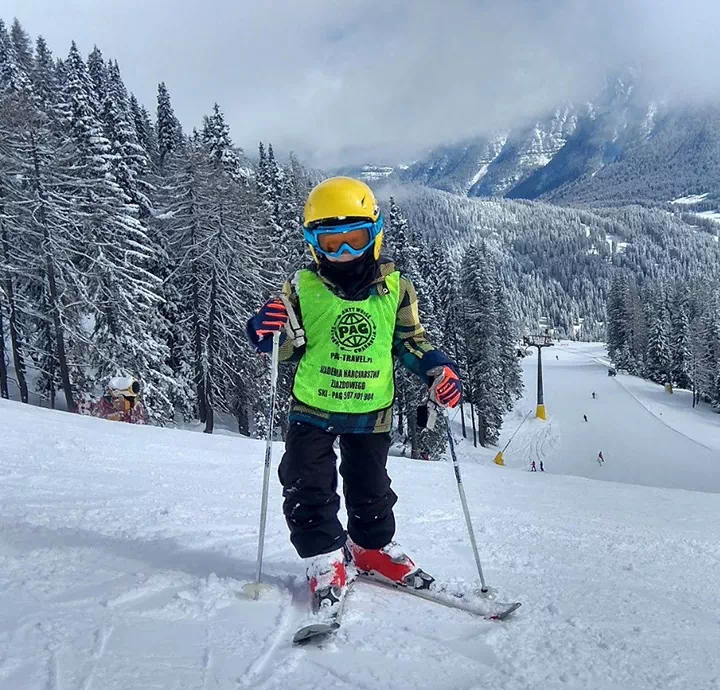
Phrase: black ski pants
x=309 y=479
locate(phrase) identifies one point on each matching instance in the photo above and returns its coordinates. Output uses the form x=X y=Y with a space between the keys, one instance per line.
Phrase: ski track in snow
x=287 y=621
x=101 y=639
x=123 y=551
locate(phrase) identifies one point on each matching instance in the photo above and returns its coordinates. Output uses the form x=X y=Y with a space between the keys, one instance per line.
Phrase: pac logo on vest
x=354 y=330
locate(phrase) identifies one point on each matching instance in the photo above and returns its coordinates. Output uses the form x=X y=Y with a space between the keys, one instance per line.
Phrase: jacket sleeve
x=410 y=345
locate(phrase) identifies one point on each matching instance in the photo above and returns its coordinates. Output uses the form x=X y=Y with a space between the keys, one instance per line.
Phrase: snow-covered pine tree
x=9 y=293
x=15 y=88
x=658 y=362
x=401 y=242
x=22 y=45
x=169 y=132
x=482 y=328
x=431 y=286
x=274 y=182
x=453 y=335
x=144 y=130
x=395 y=242
x=234 y=377
x=45 y=81
x=121 y=293
x=681 y=355
x=39 y=152
x=4 y=388
x=281 y=192
x=619 y=322
x=432 y=296
x=180 y=221
x=271 y=249
x=294 y=189
x=17 y=244
x=218 y=145
x=97 y=71
x=14 y=77
x=709 y=352
x=510 y=369
x=130 y=164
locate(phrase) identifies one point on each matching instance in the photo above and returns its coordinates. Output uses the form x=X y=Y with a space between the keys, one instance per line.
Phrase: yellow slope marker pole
x=500 y=458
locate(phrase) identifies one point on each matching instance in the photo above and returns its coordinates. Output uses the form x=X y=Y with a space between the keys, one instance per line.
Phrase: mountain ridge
x=625 y=146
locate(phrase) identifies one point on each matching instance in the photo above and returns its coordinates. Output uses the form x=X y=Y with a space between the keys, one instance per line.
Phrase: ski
x=328 y=608
x=326 y=616
x=444 y=594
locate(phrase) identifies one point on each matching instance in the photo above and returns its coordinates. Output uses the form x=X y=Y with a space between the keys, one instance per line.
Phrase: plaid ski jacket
x=410 y=347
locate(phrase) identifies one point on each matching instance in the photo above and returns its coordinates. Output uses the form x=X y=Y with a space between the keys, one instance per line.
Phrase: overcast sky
x=381 y=79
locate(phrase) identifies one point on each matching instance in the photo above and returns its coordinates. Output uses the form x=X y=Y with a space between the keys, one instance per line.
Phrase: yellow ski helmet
x=338 y=199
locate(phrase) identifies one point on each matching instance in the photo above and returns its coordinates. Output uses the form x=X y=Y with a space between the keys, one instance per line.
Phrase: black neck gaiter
x=352 y=277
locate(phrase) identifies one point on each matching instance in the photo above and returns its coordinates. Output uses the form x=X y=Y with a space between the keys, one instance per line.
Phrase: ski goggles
x=352 y=238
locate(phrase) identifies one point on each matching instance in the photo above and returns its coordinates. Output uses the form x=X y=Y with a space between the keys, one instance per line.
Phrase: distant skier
x=600 y=458
x=594 y=396
x=532 y=467
x=542 y=467
x=585 y=417
x=556 y=357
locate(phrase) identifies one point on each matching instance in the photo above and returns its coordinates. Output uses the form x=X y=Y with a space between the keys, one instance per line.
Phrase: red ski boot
x=390 y=563
x=327 y=576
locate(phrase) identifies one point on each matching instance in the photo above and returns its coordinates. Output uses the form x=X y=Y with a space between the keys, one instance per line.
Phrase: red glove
x=272 y=317
x=446 y=388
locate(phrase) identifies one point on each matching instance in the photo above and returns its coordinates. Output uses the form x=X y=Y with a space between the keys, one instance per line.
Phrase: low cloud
x=384 y=79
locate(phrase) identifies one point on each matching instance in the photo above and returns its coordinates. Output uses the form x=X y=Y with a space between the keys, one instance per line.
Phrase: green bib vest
x=348 y=364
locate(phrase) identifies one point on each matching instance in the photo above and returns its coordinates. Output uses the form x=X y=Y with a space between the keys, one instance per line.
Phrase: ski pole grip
x=295 y=332
x=426 y=415
x=432 y=415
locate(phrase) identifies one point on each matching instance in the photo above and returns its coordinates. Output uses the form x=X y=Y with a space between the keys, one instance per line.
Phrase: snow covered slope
x=646 y=436
x=123 y=551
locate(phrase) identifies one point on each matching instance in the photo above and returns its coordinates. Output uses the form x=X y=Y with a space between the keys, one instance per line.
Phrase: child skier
x=357 y=312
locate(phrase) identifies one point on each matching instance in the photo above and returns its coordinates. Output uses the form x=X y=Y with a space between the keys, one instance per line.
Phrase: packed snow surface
x=123 y=552
x=710 y=215
x=692 y=199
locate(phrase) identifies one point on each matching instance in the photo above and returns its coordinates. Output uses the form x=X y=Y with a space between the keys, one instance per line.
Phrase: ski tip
x=506 y=612
x=312 y=631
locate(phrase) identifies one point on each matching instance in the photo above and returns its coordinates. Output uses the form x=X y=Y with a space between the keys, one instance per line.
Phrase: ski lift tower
x=539 y=341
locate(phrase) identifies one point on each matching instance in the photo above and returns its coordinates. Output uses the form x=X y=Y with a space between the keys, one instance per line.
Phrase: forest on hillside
x=129 y=245
x=557 y=263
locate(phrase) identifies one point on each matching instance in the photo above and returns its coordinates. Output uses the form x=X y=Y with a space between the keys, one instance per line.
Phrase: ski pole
x=484 y=589
x=427 y=416
x=254 y=589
